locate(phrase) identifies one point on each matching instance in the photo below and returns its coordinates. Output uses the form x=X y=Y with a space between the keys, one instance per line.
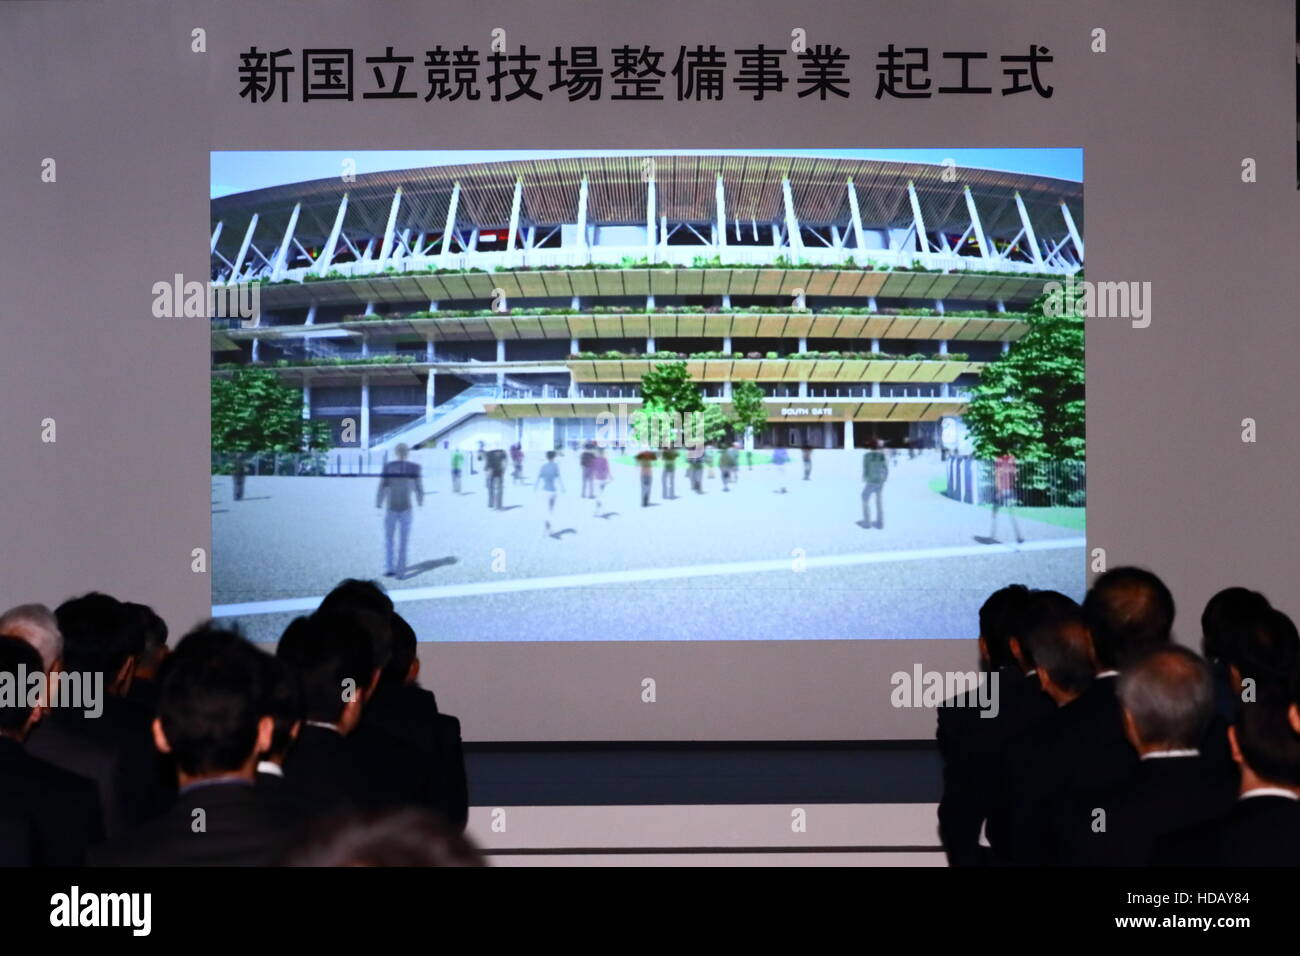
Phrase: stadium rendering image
x=449 y=311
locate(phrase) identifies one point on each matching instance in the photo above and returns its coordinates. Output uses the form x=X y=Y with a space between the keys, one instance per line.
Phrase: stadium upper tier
x=659 y=224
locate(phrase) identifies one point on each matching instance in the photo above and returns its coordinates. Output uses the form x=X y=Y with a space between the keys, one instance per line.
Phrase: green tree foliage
x=709 y=425
x=252 y=410
x=1031 y=401
x=748 y=411
x=668 y=387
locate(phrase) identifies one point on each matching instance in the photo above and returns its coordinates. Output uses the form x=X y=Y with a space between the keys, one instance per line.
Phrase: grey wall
x=113 y=93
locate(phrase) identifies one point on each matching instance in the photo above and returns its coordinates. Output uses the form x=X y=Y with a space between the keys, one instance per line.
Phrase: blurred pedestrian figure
x=587 y=461
x=398 y=484
x=548 y=478
x=807 y=462
x=1004 y=493
x=875 y=471
x=494 y=463
x=517 y=459
x=695 y=465
x=779 y=457
x=238 y=471
x=600 y=476
x=646 y=460
x=669 y=456
x=726 y=464
x=457 y=463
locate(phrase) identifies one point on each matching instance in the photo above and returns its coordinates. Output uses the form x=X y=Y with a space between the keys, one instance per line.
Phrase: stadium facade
x=519 y=301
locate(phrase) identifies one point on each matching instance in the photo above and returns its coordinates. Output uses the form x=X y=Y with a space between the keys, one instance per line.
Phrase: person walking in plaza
x=779 y=457
x=238 y=471
x=457 y=463
x=875 y=471
x=599 y=476
x=695 y=465
x=1004 y=493
x=494 y=463
x=727 y=465
x=517 y=459
x=548 y=479
x=669 y=455
x=587 y=461
x=646 y=460
x=807 y=462
x=398 y=484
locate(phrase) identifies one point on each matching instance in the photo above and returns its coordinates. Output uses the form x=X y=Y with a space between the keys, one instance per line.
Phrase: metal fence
x=1034 y=484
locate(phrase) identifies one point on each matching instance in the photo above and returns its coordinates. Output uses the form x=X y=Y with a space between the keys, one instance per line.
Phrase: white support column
x=243 y=250
x=875 y=389
x=985 y=251
x=450 y=225
x=663 y=232
x=573 y=347
x=1065 y=211
x=795 y=241
x=650 y=220
x=650 y=345
x=428 y=395
x=365 y=346
x=720 y=193
x=1029 y=231
x=875 y=345
x=327 y=254
x=430 y=351
x=726 y=343
x=582 y=217
x=365 y=412
x=216 y=234
x=803 y=344
x=281 y=254
x=311 y=315
x=922 y=241
x=306 y=400
x=943 y=346
x=387 y=244
x=848 y=434
x=1006 y=346
x=871 y=303
x=515 y=203
x=803 y=389
x=501 y=350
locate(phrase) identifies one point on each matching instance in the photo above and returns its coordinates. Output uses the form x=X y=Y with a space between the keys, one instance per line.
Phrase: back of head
x=1128 y=610
x=1169 y=694
x=369 y=606
x=210 y=701
x=35 y=624
x=1266 y=651
x=1057 y=640
x=18 y=661
x=283 y=704
x=397 y=838
x=1224 y=617
x=151 y=627
x=402 y=653
x=1268 y=743
x=98 y=635
x=999 y=619
x=330 y=656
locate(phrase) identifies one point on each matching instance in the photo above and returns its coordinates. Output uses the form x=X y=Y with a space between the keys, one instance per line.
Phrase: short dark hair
x=283 y=704
x=1266 y=651
x=98 y=634
x=327 y=651
x=1053 y=628
x=1128 y=611
x=152 y=628
x=407 y=837
x=367 y=603
x=1223 y=618
x=17 y=655
x=211 y=699
x=1169 y=693
x=999 y=620
x=1268 y=744
x=403 y=652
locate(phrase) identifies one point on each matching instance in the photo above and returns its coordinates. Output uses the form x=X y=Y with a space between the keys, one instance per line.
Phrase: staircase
x=464 y=405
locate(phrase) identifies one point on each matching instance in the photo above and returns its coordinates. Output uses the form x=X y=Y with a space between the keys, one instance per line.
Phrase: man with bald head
x=1166 y=699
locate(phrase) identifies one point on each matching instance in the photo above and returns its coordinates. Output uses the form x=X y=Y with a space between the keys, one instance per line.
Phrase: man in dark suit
x=404 y=709
x=1263 y=826
x=971 y=739
x=1167 y=699
x=211 y=719
x=48 y=816
x=1066 y=751
x=284 y=707
x=114 y=748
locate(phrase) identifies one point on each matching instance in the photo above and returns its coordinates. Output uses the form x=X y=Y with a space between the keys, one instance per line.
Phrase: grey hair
x=35 y=624
x=1169 y=693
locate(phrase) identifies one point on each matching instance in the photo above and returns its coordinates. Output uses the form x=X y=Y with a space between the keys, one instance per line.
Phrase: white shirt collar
x=271 y=767
x=1111 y=673
x=324 y=725
x=1270 y=792
x=1157 y=754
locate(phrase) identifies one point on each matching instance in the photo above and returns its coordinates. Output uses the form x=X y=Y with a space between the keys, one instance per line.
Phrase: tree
x=709 y=425
x=1030 y=402
x=669 y=388
x=253 y=411
x=748 y=411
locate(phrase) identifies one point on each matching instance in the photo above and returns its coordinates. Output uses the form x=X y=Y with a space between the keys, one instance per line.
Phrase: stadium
x=517 y=301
